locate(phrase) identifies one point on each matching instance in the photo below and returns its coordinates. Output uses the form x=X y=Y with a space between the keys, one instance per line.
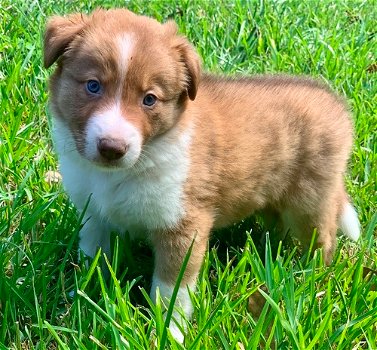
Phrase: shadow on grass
x=135 y=258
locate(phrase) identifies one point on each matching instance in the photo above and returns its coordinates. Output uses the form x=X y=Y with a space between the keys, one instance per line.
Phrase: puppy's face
x=121 y=80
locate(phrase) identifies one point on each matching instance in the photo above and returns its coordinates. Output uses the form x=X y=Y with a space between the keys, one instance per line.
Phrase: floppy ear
x=188 y=56
x=192 y=63
x=60 y=31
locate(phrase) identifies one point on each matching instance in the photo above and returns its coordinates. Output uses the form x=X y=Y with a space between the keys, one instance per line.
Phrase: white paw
x=176 y=333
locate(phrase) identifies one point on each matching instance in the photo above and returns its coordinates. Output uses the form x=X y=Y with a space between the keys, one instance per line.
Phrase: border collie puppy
x=167 y=153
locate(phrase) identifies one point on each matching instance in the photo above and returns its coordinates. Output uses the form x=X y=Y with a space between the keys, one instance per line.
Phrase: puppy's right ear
x=60 y=31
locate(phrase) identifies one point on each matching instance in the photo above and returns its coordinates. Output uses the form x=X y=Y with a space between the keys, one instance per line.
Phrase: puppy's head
x=121 y=80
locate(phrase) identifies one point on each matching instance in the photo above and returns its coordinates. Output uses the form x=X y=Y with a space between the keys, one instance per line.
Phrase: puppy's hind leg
x=327 y=227
x=302 y=224
x=336 y=212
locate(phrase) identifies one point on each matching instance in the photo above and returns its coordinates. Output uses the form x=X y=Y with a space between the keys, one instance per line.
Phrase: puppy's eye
x=149 y=100
x=93 y=87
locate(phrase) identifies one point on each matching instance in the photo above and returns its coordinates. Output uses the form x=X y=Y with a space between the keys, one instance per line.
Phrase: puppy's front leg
x=95 y=234
x=171 y=247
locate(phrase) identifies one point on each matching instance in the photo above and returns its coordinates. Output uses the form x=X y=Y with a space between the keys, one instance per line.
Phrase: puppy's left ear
x=192 y=62
x=188 y=56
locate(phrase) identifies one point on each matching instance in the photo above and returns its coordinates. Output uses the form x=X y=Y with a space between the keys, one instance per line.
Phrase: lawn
x=308 y=305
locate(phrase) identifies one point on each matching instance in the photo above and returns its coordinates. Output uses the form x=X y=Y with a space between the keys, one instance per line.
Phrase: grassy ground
x=308 y=306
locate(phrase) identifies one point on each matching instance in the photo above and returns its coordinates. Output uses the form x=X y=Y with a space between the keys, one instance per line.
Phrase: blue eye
x=93 y=86
x=149 y=100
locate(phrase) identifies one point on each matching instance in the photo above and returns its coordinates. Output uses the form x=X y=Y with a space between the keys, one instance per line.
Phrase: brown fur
x=270 y=142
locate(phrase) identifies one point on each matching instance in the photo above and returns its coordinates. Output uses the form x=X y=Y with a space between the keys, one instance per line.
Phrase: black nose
x=112 y=149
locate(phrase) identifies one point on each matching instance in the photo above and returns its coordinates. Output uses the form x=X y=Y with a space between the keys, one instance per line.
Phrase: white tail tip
x=349 y=222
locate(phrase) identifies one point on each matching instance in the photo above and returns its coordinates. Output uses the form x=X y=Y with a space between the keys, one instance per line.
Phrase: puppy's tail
x=349 y=222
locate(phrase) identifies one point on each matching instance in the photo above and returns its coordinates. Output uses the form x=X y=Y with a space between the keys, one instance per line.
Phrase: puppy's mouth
x=108 y=164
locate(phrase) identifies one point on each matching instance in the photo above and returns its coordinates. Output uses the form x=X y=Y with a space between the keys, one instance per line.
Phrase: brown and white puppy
x=169 y=154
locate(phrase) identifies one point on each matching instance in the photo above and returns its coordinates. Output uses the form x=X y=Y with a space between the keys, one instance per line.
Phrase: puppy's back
x=276 y=137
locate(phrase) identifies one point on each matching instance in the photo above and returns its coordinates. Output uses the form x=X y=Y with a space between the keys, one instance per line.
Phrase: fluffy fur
x=208 y=152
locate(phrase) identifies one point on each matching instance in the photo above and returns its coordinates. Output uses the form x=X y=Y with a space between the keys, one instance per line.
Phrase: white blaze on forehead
x=110 y=123
x=125 y=45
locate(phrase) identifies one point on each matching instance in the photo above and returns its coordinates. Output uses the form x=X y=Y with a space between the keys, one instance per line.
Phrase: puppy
x=168 y=154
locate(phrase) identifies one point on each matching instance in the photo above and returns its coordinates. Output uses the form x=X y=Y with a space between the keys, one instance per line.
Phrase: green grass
x=309 y=306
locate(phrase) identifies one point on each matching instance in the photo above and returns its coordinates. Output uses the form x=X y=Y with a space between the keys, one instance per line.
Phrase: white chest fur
x=147 y=197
